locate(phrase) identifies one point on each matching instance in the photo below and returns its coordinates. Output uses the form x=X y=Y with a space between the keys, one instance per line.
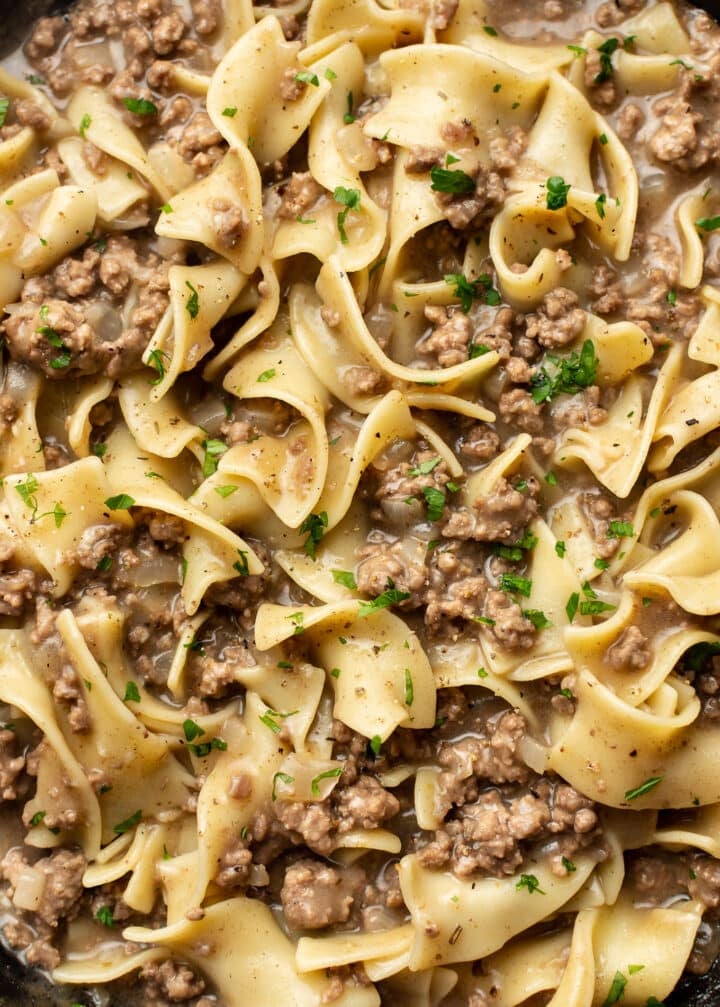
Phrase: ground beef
x=364 y=804
x=471 y=211
x=518 y=408
x=629 y=121
x=17 y=588
x=492 y=835
x=298 y=195
x=456 y=589
x=606 y=290
x=315 y=895
x=450 y=337
x=507 y=149
x=600 y=92
x=201 y=144
x=480 y=442
x=682 y=140
x=13 y=782
x=383 y=562
x=62 y=872
x=169 y=980
x=234 y=867
x=500 y=516
x=28 y=113
x=207 y=15
x=31 y=337
x=400 y=482
x=630 y=650
x=509 y=626
x=421 y=159
x=492 y=756
x=600 y=512
x=229 y=221
x=97 y=542
x=290 y=87
x=580 y=410
x=363 y=380
x=68 y=692
x=558 y=320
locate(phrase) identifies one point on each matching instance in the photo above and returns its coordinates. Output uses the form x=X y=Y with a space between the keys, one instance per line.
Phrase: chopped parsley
x=452 y=181
x=606 y=51
x=230 y=112
x=390 y=596
x=283 y=778
x=572 y=606
x=140 y=106
x=551 y=479
x=214 y=450
x=330 y=74
x=644 y=788
x=530 y=882
x=346 y=578
x=672 y=297
x=155 y=359
x=560 y=549
x=698 y=655
x=489 y=30
x=514 y=584
x=267 y=375
x=105 y=916
x=375 y=745
x=515 y=552
x=617 y=988
x=578 y=50
x=314 y=525
x=329 y=774
x=409 y=688
x=241 y=565
x=349 y=118
x=122 y=827
x=480 y=289
x=27 y=491
x=191 y=730
x=425 y=468
x=620 y=529
x=100 y=449
x=568 y=375
x=225 y=491
x=297 y=619
x=104 y=564
x=708 y=223
x=568 y=865
x=4 y=106
x=557 y=190
x=600 y=205
x=123 y=501
x=537 y=618
x=132 y=694
x=603 y=139
x=37 y=818
x=192 y=305
x=350 y=199
x=306 y=77
x=85 y=124
x=435 y=502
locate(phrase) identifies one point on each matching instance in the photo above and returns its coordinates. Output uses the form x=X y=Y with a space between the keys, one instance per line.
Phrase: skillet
x=22 y=987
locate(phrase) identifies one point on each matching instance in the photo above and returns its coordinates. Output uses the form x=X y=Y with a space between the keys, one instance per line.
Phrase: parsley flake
x=329 y=774
x=644 y=788
x=454 y=181
x=123 y=501
x=557 y=190
x=140 y=106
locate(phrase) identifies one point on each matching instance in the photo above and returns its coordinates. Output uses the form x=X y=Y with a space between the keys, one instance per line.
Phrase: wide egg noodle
x=372 y=26
x=589 y=750
x=252 y=957
x=22 y=687
x=197 y=213
x=50 y=510
x=19 y=447
x=378 y=652
x=318 y=233
x=116 y=193
x=139 y=767
x=349 y=345
x=109 y=133
x=461 y=920
x=177 y=348
x=264 y=120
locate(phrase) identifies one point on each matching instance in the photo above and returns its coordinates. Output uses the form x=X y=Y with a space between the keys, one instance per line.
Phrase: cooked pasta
x=360 y=488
